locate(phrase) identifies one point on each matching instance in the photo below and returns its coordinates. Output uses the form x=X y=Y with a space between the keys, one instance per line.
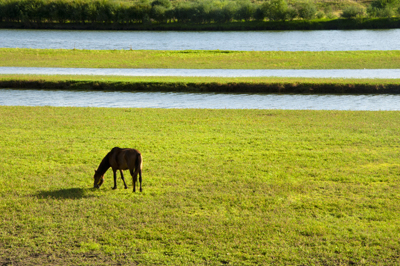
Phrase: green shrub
x=275 y=9
x=258 y=13
x=385 y=3
x=245 y=11
x=374 y=12
x=330 y=15
x=307 y=10
x=320 y=15
x=291 y=13
x=352 y=12
x=163 y=3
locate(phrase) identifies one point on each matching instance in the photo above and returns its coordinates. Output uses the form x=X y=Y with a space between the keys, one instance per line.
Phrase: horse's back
x=124 y=158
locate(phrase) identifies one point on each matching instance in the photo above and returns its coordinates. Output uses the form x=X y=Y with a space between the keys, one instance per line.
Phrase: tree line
x=162 y=11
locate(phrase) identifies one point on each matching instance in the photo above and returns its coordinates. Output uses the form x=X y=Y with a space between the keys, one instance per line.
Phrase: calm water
x=198 y=100
x=333 y=40
x=308 y=73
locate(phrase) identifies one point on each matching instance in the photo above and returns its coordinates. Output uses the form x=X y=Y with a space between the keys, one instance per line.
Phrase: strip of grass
x=193 y=59
x=172 y=79
x=241 y=187
x=183 y=84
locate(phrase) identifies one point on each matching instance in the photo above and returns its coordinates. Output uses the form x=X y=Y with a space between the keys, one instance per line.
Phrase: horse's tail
x=138 y=170
x=139 y=164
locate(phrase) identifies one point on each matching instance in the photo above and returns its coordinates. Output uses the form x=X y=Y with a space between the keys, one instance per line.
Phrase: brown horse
x=120 y=159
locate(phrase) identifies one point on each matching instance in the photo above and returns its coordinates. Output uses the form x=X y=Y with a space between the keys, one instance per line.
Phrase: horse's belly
x=123 y=166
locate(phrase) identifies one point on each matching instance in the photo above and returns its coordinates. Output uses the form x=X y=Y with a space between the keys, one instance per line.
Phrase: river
x=301 y=73
x=323 y=40
x=246 y=41
x=10 y=97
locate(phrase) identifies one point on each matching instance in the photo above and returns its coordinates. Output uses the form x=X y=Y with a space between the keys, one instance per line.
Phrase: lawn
x=193 y=59
x=192 y=80
x=239 y=187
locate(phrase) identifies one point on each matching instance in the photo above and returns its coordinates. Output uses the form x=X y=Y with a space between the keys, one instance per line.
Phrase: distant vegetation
x=194 y=12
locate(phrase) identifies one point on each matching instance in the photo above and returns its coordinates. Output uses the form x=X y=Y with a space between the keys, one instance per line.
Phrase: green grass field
x=171 y=79
x=198 y=59
x=238 y=187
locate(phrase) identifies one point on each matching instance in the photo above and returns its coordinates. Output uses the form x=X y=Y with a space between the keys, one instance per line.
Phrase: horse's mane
x=104 y=165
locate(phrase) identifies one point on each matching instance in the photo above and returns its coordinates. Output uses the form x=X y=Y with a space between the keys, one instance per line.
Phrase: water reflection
x=11 y=97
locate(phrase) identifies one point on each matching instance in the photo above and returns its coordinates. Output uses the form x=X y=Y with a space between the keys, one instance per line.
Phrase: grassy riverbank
x=201 y=84
x=199 y=59
x=234 y=187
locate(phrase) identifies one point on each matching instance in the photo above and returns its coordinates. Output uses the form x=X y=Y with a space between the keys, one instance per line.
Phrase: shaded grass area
x=315 y=24
x=200 y=84
x=239 y=187
x=199 y=59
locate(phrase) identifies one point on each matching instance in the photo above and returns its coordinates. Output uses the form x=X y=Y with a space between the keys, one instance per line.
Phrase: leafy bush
x=307 y=10
x=291 y=13
x=352 y=12
x=258 y=13
x=275 y=9
x=163 y=3
x=320 y=15
x=330 y=15
x=385 y=3
x=245 y=11
x=229 y=11
x=386 y=12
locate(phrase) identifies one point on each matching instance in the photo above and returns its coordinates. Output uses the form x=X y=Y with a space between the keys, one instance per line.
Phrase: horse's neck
x=104 y=165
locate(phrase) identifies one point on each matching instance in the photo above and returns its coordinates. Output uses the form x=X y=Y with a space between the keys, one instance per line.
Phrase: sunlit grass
x=172 y=79
x=220 y=186
x=193 y=59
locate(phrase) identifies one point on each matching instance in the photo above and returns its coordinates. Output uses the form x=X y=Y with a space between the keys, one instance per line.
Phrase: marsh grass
x=193 y=59
x=236 y=187
x=202 y=84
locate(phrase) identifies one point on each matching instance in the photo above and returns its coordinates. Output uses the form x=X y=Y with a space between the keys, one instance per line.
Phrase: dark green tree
x=245 y=11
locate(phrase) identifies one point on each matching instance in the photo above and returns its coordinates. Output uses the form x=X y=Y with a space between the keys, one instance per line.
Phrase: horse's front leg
x=123 y=179
x=115 y=179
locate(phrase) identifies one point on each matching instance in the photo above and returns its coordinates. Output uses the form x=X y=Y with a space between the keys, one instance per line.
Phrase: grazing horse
x=120 y=159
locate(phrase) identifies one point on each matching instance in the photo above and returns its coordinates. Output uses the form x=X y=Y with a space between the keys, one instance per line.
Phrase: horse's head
x=98 y=179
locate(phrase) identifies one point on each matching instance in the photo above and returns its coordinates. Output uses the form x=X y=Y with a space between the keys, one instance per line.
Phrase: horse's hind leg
x=140 y=179
x=123 y=179
x=134 y=179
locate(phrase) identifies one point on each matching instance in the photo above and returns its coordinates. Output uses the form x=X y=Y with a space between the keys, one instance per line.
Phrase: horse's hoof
x=126 y=187
x=114 y=188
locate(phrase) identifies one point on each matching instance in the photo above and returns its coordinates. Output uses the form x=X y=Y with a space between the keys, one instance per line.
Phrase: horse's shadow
x=67 y=193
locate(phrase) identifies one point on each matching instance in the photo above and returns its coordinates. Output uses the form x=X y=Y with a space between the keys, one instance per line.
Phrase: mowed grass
x=194 y=80
x=239 y=187
x=193 y=59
